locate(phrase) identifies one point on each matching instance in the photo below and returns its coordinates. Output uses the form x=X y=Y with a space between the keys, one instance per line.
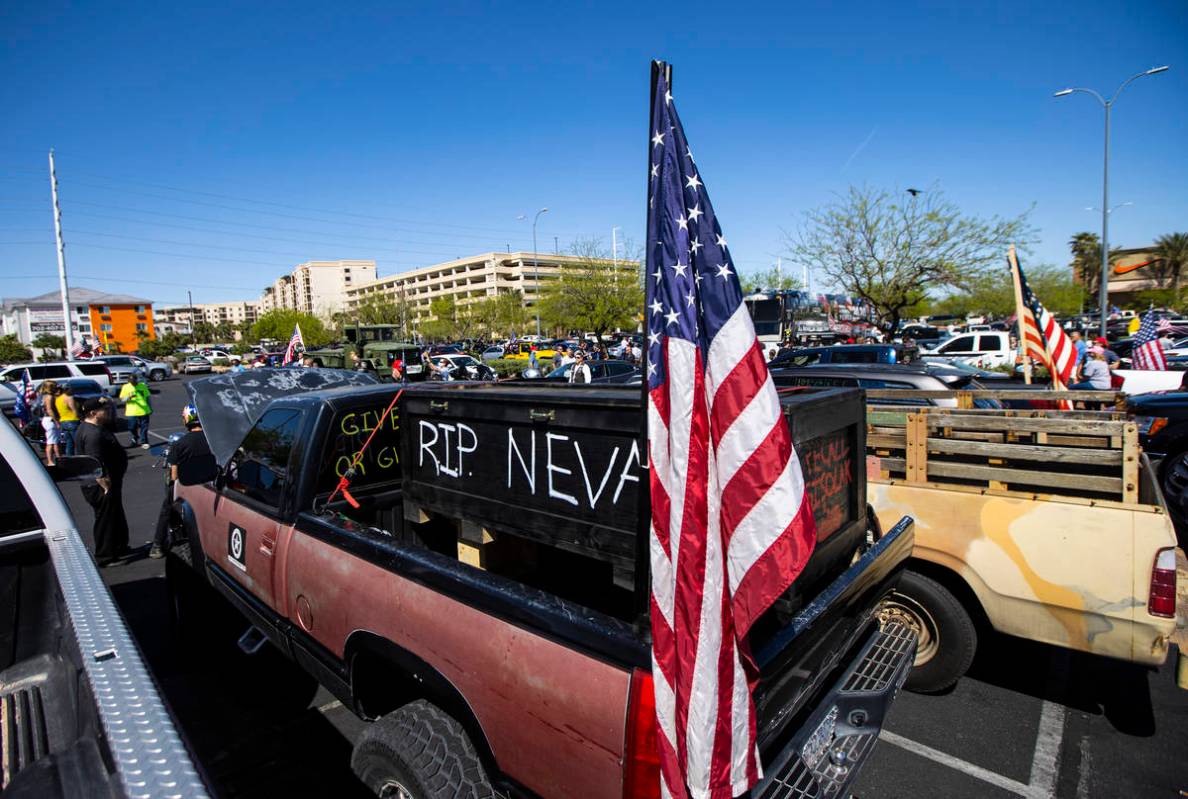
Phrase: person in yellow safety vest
x=137 y=408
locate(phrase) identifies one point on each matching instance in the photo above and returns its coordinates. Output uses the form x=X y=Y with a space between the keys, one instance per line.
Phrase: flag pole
x=643 y=527
x=1022 y=346
x=69 y=332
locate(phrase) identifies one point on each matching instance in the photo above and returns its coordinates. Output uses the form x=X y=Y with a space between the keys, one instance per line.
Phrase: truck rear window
x=349 y=430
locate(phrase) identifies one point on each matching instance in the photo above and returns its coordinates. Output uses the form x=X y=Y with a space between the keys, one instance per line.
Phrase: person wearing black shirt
x=189 y=460
x=105 y=495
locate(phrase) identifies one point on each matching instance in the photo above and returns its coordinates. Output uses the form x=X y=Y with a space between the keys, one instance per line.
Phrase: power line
x=105 y=279
x=74 y=181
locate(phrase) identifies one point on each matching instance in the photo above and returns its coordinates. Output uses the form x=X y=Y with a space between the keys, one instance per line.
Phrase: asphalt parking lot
x=1029 y=720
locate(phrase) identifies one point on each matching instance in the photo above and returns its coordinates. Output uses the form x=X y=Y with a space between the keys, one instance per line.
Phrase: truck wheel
x=947 y=637
x=419 y=752
x=157 y=375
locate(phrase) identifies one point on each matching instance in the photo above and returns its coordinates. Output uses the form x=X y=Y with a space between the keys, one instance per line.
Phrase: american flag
x=1147 y=352
x=731 y=524
x=26 y=398
x=296 y=345
x=1044 y=341
x=79 y=347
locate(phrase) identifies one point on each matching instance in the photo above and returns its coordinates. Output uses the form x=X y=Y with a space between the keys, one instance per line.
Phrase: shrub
x=511 y=367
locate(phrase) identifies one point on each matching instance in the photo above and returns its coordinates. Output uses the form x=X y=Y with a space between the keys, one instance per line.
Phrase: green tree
x=163 y=345
x=244 y=331
x=890 y=251
x=278 y=324
x=771 y=279
x=204 y=332
x=13 y=351
x=591 y=296
x=54 y=346
x=1171 y=250
x=1086 y=260
x=447 y=320
x=224 y=331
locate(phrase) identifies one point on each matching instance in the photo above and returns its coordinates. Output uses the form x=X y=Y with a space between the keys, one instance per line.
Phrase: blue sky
x=213 y=148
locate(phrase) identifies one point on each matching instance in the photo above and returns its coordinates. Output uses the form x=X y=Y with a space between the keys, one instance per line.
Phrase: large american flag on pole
x=1044 y=341
x=1147 y=352
x=295 y=348
x=731 y=526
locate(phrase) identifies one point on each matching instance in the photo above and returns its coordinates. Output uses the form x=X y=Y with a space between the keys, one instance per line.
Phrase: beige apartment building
x=178 y=318
x=317 y=287
x=475 y=278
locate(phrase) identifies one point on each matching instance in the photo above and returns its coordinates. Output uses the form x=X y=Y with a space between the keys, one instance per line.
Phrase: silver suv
x=58 y=370
x=122 y=366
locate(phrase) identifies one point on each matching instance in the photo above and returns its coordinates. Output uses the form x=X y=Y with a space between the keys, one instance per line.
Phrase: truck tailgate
x=827 y=678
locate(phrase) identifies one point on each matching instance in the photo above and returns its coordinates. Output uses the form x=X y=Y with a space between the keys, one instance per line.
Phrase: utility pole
x=779 y=274
x=69 y=337
x=193 y=334
x=556 y=249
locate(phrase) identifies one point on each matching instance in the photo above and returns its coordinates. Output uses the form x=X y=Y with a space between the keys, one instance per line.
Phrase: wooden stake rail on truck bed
x=1097 y=457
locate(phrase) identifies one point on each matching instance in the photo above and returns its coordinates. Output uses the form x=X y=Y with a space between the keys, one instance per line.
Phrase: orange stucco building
x=116 y=319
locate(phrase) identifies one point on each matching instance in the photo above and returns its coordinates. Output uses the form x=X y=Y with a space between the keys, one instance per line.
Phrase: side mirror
x=75 y=467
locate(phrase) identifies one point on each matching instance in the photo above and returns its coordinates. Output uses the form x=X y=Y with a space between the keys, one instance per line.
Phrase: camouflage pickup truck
x=478 y=596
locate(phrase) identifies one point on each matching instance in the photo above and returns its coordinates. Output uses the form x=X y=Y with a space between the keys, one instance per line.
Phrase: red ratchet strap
x=344 y=482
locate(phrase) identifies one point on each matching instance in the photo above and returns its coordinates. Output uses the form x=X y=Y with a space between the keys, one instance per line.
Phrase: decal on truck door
x=237 y=547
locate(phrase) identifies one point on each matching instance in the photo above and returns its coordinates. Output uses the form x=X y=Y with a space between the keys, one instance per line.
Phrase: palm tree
x=1086 y=263
x=1172 y=249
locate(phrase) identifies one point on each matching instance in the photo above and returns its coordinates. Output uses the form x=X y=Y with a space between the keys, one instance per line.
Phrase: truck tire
x=418 y=751
x=947 y=636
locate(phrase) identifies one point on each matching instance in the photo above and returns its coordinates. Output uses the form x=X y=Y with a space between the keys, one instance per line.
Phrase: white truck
x=985 y=349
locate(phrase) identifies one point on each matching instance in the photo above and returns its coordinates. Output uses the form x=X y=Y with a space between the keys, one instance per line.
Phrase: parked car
x=123 y=367
x=58 y=370
x=522 y=350
x=922 y=334
x=216 y=353
x=465 y=367
x=844 y=353
x=986 y=349
x=1162 y=420
x=82 y=388
x=79 y=711
x=493 y=353
x=933 y=377
x=155 y=370
x=600 y=372
x=194 y=364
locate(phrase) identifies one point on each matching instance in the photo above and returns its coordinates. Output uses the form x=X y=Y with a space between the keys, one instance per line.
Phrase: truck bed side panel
x=523 y=688
x=1064 y=573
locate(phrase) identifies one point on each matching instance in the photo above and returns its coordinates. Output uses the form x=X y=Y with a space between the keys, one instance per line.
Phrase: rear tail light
x=1162 y=600
x=641 y=772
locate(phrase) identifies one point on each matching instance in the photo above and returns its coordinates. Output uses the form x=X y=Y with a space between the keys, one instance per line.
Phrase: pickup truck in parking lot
x=478 y=592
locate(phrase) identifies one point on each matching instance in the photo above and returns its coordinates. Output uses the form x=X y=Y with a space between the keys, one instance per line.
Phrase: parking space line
x=1047 y=749
x=326 y=708
x=1085 y=771
x=977 y=772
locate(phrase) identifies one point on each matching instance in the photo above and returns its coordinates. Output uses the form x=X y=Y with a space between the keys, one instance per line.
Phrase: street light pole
x=1103 y=293
x=536 y=270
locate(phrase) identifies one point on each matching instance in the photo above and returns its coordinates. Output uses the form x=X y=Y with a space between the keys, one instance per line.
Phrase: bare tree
x=889 y=250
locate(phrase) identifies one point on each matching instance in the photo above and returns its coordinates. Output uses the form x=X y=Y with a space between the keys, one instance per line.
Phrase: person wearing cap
x=580 y=372
x=105 y=494
x=1095 y=373
x=186 y=450
x=1111 y=358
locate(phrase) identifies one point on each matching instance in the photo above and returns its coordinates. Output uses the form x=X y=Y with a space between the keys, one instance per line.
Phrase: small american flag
x=731 y=524
x=79 y=348
x=26 y=398
x=295 y=348
x=1147 y=352
x=1043 y=338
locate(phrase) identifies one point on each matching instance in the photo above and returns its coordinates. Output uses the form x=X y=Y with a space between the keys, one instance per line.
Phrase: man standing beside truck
x=191 y=449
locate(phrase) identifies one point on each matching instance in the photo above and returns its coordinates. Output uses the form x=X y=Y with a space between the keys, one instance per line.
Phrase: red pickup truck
x=492 y=659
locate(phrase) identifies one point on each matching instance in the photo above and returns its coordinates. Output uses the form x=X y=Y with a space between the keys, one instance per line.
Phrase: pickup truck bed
x=79 y=714
x=377 y=602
